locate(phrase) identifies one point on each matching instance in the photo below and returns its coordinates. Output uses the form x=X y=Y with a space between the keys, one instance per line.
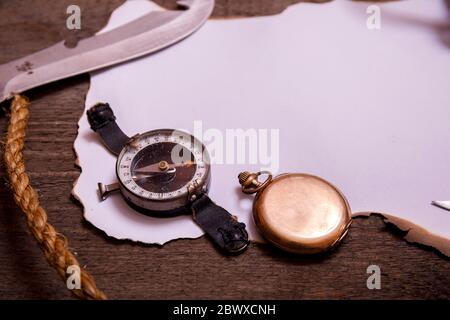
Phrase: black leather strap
x=102 y=120
x=228 y=233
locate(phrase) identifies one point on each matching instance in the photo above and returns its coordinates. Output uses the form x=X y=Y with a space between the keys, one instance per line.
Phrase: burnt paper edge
x=413 y=233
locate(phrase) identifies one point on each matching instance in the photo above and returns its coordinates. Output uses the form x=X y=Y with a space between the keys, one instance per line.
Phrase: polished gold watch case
x=298 y=212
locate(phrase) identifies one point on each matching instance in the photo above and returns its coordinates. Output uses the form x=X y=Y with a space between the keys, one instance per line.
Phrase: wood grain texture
x=181 y=269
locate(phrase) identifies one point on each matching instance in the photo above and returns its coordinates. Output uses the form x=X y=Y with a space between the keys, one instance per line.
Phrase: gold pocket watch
x=298 y=212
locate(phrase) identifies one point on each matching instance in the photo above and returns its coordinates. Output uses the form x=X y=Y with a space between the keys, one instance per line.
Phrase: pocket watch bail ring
x=250 y=183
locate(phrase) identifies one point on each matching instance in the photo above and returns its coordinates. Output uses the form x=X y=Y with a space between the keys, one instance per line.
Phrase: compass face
x=163 y=165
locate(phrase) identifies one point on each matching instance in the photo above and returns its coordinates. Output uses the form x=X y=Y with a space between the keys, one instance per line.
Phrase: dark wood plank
x=183 y=268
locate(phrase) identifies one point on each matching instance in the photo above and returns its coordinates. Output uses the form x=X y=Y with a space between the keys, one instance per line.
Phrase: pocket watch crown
x=247 y=179
x=250 y=183
x=243 y=176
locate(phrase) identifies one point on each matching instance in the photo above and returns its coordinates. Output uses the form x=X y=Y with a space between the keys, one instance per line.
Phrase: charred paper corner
x=413 y=233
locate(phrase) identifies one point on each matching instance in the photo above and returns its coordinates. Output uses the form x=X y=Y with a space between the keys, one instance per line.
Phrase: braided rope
x=54 y=245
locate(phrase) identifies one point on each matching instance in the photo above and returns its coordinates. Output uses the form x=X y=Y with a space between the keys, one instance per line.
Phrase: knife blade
x=150 y=33
x=442 y=204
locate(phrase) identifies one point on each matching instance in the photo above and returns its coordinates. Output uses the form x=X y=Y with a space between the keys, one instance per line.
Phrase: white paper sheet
x=366 y=109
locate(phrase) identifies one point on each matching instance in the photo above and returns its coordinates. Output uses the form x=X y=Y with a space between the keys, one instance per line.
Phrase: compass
x=163 y=170
x=165 y=173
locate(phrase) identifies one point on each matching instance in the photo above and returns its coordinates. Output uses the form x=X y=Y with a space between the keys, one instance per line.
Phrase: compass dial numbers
x=161 y=165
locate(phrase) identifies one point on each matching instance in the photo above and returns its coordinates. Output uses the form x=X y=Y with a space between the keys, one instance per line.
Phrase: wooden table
x=181 y=269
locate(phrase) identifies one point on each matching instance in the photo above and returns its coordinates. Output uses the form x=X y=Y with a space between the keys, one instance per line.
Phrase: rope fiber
x=54 y=245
